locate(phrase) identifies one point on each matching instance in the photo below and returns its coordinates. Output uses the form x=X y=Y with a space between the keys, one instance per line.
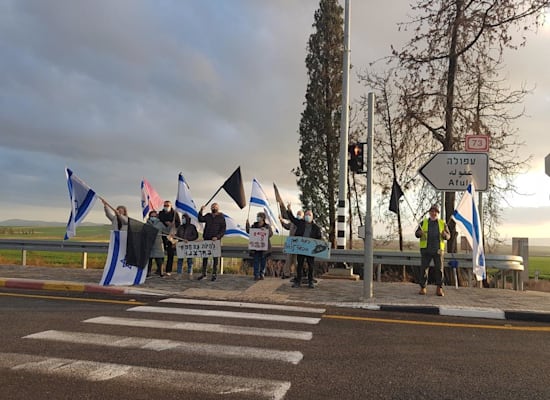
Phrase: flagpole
x=214 y=195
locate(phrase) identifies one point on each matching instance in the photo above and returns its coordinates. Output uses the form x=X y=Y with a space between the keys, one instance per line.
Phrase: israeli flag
x=259 y=199
x=234 y=229
x=150 y=199
x=117 y=271
x=185 y=203
x=82 y=200
x=468 y=224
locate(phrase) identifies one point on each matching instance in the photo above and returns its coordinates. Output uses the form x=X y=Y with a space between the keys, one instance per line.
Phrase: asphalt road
x=96 y=347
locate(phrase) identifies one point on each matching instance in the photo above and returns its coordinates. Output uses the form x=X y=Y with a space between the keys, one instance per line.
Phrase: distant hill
x=24 y=222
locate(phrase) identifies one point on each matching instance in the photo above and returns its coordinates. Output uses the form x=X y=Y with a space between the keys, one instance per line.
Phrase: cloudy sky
x=125 y=89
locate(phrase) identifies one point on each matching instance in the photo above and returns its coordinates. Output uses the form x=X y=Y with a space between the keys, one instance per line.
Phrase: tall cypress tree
x=317 y=174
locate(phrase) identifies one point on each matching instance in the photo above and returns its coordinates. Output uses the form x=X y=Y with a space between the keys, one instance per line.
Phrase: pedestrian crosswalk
x=177 y=314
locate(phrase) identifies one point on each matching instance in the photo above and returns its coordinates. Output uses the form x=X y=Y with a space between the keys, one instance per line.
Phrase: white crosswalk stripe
x=227 y=314
x=181 y=381
x=166 y=379
x=201 y=327
x=245 y=352
x=236 y=304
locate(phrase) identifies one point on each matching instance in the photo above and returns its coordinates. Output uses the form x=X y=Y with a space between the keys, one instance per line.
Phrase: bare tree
x=448 y=82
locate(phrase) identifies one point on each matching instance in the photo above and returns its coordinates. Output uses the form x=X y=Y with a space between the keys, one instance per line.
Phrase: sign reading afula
x=451 y=171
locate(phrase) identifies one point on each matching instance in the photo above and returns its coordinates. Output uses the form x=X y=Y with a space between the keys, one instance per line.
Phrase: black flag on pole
x=234 y=188
x=396 y=193
x=141 y=238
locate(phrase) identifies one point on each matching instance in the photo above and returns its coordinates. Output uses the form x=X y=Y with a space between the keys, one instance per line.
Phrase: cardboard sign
x=199 y=248
x=307 y=247
x=258 y=239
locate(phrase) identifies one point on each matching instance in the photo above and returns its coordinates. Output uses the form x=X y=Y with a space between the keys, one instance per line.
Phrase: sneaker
x=422 y=291
x=201 y=277
x=439 y=292
x=168 y=274
x=261 y=277
x=214 y=277
x=311 y=285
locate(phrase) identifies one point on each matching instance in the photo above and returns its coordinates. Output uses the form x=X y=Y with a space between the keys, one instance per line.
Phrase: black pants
x=215 y=261
x=159 y=261
x=300 y=267
x=170 y=253
x=423 y=270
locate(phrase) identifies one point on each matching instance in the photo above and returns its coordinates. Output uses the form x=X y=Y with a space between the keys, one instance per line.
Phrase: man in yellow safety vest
x=432 y=233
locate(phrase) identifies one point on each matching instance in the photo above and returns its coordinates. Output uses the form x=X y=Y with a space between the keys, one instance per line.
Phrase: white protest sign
x=258 y=239
x=199 y=248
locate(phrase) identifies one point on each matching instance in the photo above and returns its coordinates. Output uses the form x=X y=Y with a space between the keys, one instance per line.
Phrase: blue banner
x=307 y=247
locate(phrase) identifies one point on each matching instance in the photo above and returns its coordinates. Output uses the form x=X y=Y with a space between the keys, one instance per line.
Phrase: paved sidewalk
x=465 y=302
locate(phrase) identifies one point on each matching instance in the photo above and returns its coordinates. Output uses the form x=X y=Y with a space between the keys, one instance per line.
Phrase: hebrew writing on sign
x=258 y=239
x=307 y=247
x=199 y=248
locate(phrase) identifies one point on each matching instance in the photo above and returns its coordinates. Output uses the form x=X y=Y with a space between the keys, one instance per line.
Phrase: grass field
x=539 y=256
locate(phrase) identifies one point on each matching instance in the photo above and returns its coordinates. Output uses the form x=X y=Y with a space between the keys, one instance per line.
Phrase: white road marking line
x=143 y=376
x=227 y=314
x=192 y=326
x=239 y=304
x=224 y=351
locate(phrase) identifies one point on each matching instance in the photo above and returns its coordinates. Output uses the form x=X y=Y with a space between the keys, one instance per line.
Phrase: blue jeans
x=189 y=265
x=259 y=263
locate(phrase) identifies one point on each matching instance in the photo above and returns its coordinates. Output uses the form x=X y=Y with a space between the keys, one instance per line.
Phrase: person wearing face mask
x=171 y=220
x=187 y=232
x=157 y=251
x=305 y=228
x=260 y=256
x=290 y=261
x=214 y=229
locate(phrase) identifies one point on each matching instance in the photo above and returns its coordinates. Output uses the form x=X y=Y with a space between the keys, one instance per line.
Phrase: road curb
x=33 y=284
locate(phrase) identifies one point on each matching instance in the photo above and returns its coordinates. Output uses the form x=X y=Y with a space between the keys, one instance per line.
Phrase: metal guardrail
x=506 y=264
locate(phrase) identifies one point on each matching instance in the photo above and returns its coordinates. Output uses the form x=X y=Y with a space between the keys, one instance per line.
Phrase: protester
x=187 y=232
x=260 y=256
x=432 y=233
x=157 y=251
x=214 y=229
x=305 y=228
x=171 y=220
x=290 y=261
x=118 y=217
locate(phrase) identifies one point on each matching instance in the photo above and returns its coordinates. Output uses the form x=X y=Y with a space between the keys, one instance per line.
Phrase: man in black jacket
x=305 y=228
x=214 y=229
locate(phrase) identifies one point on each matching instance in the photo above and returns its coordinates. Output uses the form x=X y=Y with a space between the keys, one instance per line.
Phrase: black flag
x=396 y=193
x=141 y=238
x=234 y=188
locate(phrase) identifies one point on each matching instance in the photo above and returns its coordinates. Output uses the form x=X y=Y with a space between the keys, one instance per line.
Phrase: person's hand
x=288 y=207
x=202 y=208
x=214 y=238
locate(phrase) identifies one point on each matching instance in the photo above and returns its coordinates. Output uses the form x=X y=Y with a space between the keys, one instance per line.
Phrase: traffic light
x=356 y=160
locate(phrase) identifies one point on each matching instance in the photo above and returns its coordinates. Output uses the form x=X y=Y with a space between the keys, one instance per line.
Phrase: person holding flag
x=117 y=216
x=432 y=233
x=214 y=229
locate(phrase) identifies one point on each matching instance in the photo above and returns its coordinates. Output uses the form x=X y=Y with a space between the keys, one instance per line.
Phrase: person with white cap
x=432 y=233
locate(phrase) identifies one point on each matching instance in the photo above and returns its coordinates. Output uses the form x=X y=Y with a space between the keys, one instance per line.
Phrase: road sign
x=452 y=171
x=477 y=143
x=547 y=164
